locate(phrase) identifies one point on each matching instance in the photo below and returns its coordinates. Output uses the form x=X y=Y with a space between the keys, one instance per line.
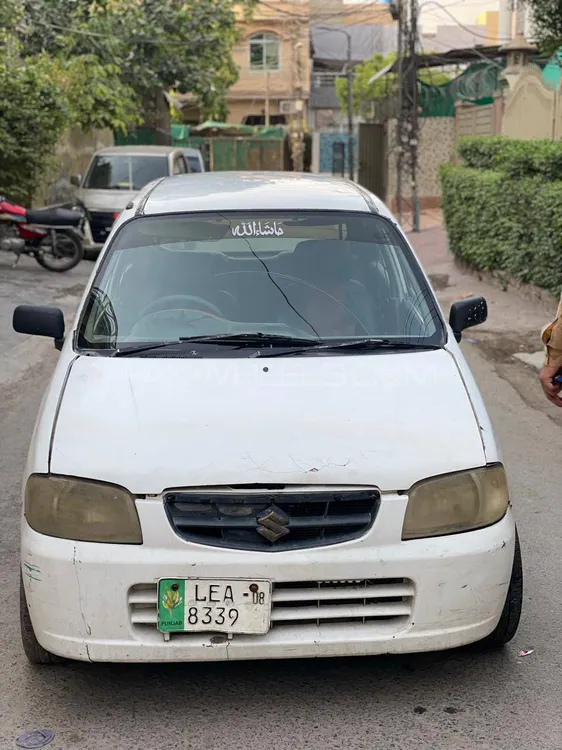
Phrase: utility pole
x=349 y=76
x=407 y=127
x=296 y=124
x=267 y=117
x=398 y=15
x=414 y=118
x=349 y=73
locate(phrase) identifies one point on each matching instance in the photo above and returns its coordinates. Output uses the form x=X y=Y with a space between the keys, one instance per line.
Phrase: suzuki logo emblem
x=273 y=523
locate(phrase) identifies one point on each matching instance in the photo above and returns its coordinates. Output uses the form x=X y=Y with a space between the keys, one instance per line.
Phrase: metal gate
x=338 y=159
x=372 y=158
x=246 y=154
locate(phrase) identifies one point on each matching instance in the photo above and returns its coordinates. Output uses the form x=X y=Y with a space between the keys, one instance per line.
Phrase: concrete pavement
x=510 y=338
x=450 y=701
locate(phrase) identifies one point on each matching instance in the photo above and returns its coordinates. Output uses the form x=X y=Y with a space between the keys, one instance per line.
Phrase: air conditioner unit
x=287 y=107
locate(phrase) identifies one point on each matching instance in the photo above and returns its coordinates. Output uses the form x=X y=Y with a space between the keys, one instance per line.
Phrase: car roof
x=138 y=150
x=192 y=151
x=243 y=191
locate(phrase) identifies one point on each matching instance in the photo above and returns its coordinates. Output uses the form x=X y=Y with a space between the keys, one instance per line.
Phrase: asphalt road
x=29 y=284
x=448 y=701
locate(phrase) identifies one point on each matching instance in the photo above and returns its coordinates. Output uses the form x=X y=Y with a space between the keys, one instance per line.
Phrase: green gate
x=138 y=137
x=251 y=154
x=264 y=151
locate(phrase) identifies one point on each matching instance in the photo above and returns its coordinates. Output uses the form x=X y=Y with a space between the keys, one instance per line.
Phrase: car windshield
x=125 y=172
x=318 y=276
x=194 y=163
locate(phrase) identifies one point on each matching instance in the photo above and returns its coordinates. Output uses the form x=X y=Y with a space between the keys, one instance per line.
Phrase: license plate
x=191 y=605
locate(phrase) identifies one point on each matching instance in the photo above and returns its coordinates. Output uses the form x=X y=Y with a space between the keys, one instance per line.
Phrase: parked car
x=262 y=440
x=114 y=176
x=194 y=159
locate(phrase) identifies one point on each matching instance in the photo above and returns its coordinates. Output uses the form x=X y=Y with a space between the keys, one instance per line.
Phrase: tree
x=366 y=94
x=11 y=12
x=158 y=45
x=185 y=45
x=547 y=23
x=102 y=63
x=43 y=95
x=97 y=96
x=33 y=116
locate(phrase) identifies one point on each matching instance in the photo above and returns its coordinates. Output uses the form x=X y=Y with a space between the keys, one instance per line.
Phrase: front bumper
x=97 y=602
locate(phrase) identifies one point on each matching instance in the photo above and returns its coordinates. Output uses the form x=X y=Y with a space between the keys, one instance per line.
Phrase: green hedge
x=481 y=153
x=498 y=223
x=516 y=158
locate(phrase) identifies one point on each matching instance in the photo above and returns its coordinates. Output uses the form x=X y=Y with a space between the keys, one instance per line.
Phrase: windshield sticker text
x=257 y=229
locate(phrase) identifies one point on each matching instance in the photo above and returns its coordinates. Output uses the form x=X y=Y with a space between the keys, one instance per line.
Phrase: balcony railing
x=324 y=80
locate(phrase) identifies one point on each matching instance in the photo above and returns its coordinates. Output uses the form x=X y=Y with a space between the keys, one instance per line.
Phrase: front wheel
x=511 y=614
x=63 y=254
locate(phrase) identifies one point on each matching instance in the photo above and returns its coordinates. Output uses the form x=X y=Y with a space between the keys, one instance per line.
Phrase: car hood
x=106 y=200
x=154 y=423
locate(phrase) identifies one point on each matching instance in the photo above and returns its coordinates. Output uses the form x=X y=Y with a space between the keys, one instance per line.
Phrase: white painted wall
x=464 y=12
x=506 y=20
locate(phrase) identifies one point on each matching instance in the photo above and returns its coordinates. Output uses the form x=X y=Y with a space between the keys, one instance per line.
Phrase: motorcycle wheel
x=68 y=254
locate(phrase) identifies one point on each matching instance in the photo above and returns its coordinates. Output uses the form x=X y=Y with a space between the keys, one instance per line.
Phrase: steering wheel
x=272 y=275
x=181 y=302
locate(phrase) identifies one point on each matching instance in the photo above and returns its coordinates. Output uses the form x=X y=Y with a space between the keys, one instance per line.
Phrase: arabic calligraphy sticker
x=257 y=229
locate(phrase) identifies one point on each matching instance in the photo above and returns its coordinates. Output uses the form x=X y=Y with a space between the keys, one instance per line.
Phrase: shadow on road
x=292 y=688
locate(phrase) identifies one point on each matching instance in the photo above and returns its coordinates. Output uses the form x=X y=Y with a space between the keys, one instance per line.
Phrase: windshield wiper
x=367 y=344
x=253 y=338
x=143 y=348
x=243 y=339
x=290 y=344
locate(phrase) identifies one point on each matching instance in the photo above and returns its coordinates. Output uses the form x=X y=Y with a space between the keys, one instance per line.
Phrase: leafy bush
x=497 y=223
x=481 y=153
x=33 y=116
x=516 y=158
x=41 y=98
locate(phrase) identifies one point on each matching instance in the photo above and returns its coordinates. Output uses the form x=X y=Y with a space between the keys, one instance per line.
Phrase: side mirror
x=467 y=313
x=40 y=321
x=75 y=179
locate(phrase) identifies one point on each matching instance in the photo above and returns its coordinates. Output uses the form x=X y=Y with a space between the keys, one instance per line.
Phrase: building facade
x=329 y=52
x=273 y=62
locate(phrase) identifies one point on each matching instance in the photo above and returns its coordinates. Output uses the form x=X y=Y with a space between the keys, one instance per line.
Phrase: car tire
x=511 y=614
x=34 y=651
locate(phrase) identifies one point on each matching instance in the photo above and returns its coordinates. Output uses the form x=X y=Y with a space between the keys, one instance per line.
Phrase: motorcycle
x=52 y=235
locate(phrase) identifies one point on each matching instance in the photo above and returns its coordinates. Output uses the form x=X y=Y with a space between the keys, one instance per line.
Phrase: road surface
x=449 y=701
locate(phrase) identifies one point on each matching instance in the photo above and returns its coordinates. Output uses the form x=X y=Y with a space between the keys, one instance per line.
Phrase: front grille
x=303 y=603
x=271 y=521
x=100 y=224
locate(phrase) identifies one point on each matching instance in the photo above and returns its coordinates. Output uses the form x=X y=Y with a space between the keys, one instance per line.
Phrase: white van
x=194 y=159
x=114 y=176
x=262 y=441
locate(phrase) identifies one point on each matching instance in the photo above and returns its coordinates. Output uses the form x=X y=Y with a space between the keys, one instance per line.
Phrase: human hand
x=551 y=389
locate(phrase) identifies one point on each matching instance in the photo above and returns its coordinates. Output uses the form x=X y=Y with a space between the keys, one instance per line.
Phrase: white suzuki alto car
x=261 y=440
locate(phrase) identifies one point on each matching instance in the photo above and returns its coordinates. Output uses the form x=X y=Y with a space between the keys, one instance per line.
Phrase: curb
x=534 y=359
x=527 y=292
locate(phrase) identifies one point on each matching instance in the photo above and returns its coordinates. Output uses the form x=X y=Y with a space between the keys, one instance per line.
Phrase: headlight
x=78 y=509
x=456 y=502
